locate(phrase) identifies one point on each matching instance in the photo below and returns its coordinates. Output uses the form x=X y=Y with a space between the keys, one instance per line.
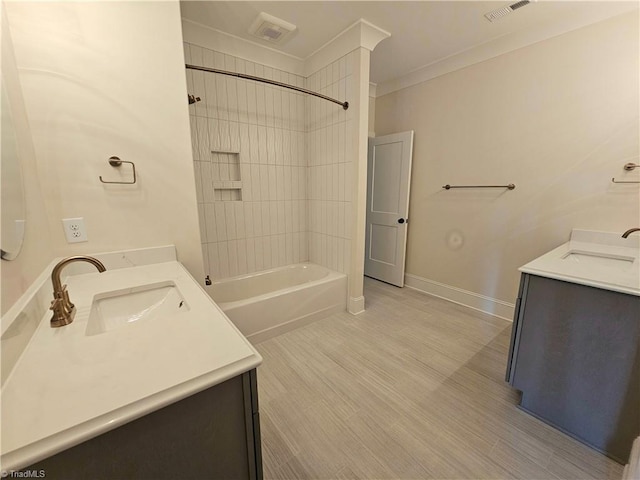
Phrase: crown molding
x=486 y=51
x=359 y=34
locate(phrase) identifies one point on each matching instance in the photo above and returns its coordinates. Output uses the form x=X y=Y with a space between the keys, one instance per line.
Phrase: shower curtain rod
x=344 y=105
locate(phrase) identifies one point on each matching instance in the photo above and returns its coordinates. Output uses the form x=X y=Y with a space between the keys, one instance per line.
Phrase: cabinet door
x=578 y=362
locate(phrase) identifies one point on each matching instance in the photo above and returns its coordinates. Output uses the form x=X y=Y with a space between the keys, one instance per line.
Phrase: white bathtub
x=268 y=303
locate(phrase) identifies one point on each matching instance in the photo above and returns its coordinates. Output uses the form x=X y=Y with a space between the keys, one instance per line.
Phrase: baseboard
x=356 y=305
x=489 y=305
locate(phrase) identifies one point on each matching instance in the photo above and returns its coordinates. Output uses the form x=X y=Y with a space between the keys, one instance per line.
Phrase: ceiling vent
x=271 y=29
x=501 y=12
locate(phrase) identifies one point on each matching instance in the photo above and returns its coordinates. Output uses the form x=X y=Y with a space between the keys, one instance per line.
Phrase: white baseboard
x=489 y=305
x=356 y=305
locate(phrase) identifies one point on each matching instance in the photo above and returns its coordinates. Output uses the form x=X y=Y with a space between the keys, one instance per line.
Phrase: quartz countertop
x=615 y=261
x=70 y=385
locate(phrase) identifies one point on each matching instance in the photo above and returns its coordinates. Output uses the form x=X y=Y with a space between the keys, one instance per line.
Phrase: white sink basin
x=616 y=262
x=120 y=308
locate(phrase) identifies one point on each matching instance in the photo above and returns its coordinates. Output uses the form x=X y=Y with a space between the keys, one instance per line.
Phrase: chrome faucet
x=63 y=309
x=630 y=231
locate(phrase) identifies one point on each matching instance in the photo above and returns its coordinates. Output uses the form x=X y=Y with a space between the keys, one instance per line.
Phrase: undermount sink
x=120 y=308
x=596 y=259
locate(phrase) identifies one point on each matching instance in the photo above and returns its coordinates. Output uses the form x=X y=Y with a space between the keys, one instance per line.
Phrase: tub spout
x=630 y=231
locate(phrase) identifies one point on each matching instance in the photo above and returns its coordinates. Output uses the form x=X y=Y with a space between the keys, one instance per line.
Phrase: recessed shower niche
x=227 y=182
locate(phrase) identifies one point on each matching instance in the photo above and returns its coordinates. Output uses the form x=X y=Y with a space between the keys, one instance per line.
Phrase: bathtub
x=267 y=303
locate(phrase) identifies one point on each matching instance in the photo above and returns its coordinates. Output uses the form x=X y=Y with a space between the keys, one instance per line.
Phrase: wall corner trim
x=356 y=305
x=473 y=300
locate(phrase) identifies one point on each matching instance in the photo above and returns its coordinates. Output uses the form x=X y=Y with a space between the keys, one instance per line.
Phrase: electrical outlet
x=74 y=230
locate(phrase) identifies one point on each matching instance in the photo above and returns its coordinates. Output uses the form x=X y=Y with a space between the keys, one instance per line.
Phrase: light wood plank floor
x=412 y=388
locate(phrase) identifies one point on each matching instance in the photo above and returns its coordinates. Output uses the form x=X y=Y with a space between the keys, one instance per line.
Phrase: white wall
x=266 y=226
x=558 y=118
x=102 y=79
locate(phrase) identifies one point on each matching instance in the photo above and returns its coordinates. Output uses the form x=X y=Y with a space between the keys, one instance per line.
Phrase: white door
x=388 y=177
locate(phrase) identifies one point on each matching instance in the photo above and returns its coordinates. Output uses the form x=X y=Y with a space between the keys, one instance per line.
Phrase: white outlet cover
x=74 y=230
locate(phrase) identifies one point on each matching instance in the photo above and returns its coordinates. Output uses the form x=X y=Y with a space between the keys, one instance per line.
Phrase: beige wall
x=558 y=118
x=36 y=253
x=102 y=79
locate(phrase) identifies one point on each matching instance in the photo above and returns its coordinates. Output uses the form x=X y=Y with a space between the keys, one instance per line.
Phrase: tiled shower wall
x=250 y=163
x=331 y=167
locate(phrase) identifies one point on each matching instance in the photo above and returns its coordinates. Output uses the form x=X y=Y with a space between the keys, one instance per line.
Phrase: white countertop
x=68 y=387
x=620 y=275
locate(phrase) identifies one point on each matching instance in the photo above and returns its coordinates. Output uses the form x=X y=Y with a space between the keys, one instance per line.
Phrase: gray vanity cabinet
x=574 y=354
x=213 y=434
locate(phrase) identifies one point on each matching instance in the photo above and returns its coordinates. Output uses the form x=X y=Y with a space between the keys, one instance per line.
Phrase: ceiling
x=422 y=32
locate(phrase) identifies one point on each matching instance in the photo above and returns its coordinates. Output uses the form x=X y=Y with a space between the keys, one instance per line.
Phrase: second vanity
x=151 y=380
x=574 y=350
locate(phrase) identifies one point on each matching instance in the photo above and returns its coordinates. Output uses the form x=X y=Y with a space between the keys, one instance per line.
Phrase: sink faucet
x=630 y=231
x=63 y=309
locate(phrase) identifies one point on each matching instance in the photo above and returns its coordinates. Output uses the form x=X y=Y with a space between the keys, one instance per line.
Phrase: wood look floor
x=412 y=388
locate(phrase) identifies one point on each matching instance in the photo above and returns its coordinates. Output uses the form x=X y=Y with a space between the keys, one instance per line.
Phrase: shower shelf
x=227 y=185
x=231 y=152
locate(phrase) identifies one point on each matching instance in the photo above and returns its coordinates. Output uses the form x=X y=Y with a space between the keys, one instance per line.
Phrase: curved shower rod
x=344 y=105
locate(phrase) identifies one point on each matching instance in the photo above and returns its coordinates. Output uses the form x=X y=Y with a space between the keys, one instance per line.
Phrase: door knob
x=401 y=220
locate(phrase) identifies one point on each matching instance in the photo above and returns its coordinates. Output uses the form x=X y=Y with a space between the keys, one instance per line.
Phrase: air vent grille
x=501 y=12
x=271 y=29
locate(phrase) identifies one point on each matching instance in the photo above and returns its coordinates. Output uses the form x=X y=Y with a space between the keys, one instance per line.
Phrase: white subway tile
x=234 y=136
x=304 y=247
x=285 y=107
x=282 y=250
x=279 y=182
x=202 y=223
x=259 y=254
x=272 y=182
x=242 y=257
x=220 y=223
x=256 y=184
x=289 y=249
x=262 y=145
x=266 y=219
x=230 y=220
x=209 y=223
x=254 y=153
x=214 y=262
x=251 y=255
x=197 y=167
x=223 y=260
x=273 y=218
x=266 y=252
x=243 y=110
x=205 y=258
x=348 y=212
x=252 y=100
x=249 y=226
x=193 y=125
x=204 y=151
x=239 y=216
x=281 y=217
x=264 y=182
x=295 y=247
x=340 y=226
x=288 y=217
x=287 y=182
x=206 y=181
x=245 y=176
x=275 y=257
x=279 y=157
x=295 y=216
x=340 y=266
x=271 y=146
x=268 y=106
x=232 y=248
x=257 y=219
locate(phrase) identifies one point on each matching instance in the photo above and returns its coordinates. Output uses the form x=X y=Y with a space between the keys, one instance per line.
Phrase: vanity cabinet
x=574 y=354
x=213 y=434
